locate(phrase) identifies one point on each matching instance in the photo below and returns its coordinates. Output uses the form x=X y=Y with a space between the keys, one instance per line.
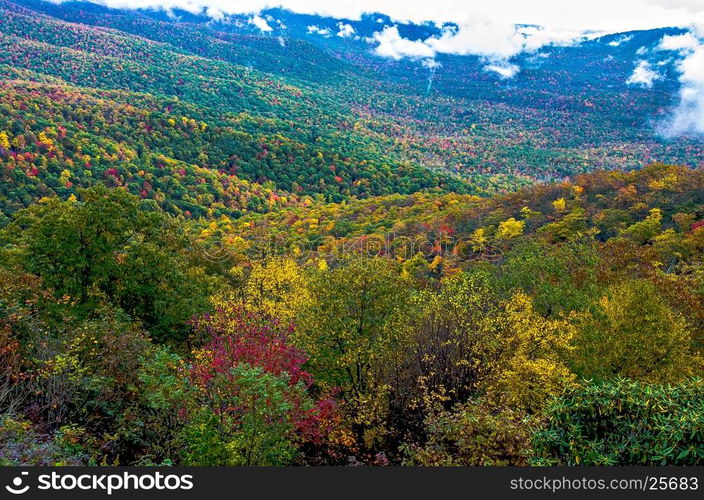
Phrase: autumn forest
x=222 y=246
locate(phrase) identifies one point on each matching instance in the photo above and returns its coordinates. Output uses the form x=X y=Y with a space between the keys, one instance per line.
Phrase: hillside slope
x=259 y=120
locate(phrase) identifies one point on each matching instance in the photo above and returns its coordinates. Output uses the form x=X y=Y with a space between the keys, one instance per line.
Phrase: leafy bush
x=110 y=246
x=473 y=433
x=624 y=422
x=21 y=444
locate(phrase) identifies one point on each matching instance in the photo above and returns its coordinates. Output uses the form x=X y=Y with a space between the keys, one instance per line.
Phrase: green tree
x=353 y=335
x=348 y=328
x=246 y=420
x=111 y=247
x=645 y=230
x=559 y=278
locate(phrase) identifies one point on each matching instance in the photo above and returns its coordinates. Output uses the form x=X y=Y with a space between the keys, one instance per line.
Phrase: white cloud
x=494 y=42
x=391 y=44
x=260 y=23
x=215 y=13
x=620 y=40
x=486 y=29
x=536 y=37
x=345 y=30
x=314 y=29
x=688 y=41
x=503 y=69
x=643 y=75
x=483 y=38
x=688 y=117
x=597 y=15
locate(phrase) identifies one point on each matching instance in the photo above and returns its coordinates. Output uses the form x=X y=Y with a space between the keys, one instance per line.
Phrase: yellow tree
x=479 y=240
x=276 y=287
x=470 y=343
x=632 y=332
x=559 y=205
x=510 y=229
x=531 y=366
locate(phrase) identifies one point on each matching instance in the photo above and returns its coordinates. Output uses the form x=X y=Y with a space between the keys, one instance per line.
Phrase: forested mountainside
x=266 y=117
x=224 y=242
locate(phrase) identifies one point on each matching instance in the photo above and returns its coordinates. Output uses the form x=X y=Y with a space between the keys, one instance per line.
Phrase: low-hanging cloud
x=496 y=43
x=685 y=42
x=260 y=23
x=317 y=30
x=688 y=116
x=432 y=66
x=345 y=30
x=484 y=38
x=391 y=44
x=643 y=75
x=620 y=40
x=503 y=68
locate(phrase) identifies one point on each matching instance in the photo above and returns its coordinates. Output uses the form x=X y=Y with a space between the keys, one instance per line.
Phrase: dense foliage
x=561 y=324
x=625 y=422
